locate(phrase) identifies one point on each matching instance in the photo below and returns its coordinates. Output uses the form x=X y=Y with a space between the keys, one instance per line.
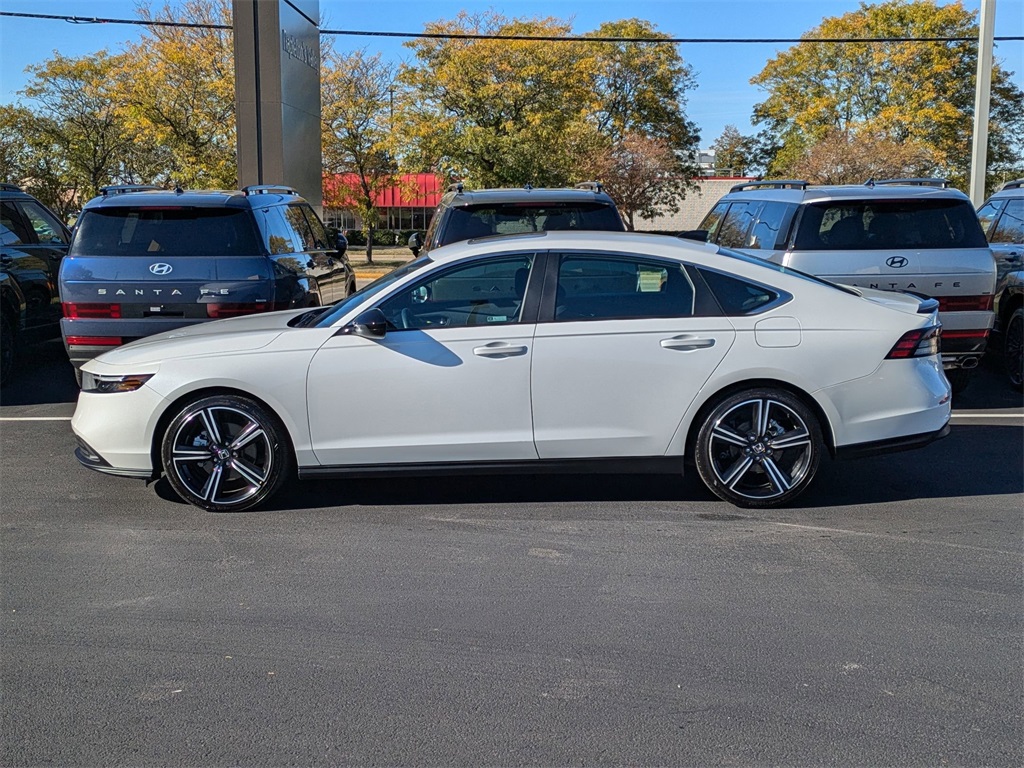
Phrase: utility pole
x=983 y=90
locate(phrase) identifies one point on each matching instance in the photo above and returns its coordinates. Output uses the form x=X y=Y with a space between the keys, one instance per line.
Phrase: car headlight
x=102 y=384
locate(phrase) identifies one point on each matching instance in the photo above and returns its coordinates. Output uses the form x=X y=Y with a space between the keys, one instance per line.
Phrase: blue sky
x=723 y=95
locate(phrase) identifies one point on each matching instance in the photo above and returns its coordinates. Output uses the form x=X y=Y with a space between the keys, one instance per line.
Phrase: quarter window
x=484 y=293
x=738 y=297
x=594 y=288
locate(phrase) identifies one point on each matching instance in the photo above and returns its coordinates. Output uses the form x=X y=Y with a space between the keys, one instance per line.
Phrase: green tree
x=30 y=158
x=78 y=116
x=499 y=112
x=903 y=91
x=735 y=152
x=177 y=85
x=357 y=97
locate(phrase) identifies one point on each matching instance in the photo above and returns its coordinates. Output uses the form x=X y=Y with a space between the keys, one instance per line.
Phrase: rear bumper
x=891 y=445
x=126 y=331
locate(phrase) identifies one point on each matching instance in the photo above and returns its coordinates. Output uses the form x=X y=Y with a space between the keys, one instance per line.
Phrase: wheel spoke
x=726 y=434
x=251 y=431
x=251 y=474
x=209 y=492
x=190 y=454
x=737 y=471
x=210 y=421
x=791 y=439
x=778 y=478
x=761 y=417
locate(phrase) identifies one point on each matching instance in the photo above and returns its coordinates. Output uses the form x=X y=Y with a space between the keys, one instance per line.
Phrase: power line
x=528 y=38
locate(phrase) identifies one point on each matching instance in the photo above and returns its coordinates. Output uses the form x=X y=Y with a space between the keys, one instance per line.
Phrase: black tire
x=759 y=448
x=959 y=378
x=8 y=352
x=1013 y=349
x=225 y=453
x=78 y=376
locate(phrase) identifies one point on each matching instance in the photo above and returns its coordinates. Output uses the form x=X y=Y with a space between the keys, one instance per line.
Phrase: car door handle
x=499 y=349
x=686 y=343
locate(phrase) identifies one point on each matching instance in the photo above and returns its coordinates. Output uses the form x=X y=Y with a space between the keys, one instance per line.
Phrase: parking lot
x=528 y=620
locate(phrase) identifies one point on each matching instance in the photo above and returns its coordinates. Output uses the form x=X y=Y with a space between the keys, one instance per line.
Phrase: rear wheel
x=225 y=453
x=1013 y=348
x=759 y=448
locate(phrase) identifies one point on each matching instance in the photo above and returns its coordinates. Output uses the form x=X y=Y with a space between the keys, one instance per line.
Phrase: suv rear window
x=467 y=222
x=166 y=232
x=885 y=224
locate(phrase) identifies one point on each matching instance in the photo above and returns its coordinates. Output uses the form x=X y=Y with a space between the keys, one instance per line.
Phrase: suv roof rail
x=918 y=182
x=770 y=184
x=268 y=189
x=595 y=186
x=10 y=188
x=457 y=187
x=1015 y=184
x=120 y=189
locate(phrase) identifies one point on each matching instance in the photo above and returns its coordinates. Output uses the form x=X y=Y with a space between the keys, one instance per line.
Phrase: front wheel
x=1013 y=348
x=759 y=448
x=225 y=453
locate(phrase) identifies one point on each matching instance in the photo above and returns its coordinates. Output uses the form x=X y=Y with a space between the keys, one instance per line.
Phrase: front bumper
x=115 y=431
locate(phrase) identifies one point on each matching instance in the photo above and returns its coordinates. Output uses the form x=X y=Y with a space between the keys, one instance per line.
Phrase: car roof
x=197 y=198
x=538 y=195
x=1013 y=188
x=824 y=193
x=579 y=240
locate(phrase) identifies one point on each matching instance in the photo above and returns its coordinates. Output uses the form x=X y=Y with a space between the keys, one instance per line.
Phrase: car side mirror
x=370 y=324
x=700 y=235
x=340 y=244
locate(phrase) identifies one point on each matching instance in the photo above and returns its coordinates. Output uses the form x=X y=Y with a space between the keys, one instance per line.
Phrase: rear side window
x=14 y=230
x=738 y=297
x=987 y=215
x=48 y=230
x=768 y=226
x=1010 y=228
x=201 y=232
x=888 y=224
x=592 y=288
x=468 y=222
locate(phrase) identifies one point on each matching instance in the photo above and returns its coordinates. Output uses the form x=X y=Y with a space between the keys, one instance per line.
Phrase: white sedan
x=530 y=353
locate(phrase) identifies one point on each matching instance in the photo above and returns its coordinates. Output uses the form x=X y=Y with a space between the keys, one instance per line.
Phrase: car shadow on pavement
x=939 y=471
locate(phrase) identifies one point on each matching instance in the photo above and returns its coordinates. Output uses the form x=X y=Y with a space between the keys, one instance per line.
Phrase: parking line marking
x=35 y=418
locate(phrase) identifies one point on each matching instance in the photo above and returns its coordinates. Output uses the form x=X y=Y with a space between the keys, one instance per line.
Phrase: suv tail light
x=965 y=303
x=94 y=341
x=921 y=342
x=78 y=311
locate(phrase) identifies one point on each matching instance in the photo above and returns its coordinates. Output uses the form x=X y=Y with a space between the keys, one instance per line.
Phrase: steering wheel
x=406 y=318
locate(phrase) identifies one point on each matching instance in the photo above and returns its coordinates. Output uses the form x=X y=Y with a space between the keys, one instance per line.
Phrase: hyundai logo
x=897 y=262
x=165 y=269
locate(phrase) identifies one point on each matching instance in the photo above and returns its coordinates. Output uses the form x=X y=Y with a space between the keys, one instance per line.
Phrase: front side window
x=768 y=227
x=1011 y=225
x=485 y=293
x=735 y=226
x=713 y=221
x=165 y=231
x=48 y=230
x=618 y=288
x=987 y=215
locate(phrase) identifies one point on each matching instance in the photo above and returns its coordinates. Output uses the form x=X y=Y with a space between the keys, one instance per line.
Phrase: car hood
x=904 y=302
x=237 y=334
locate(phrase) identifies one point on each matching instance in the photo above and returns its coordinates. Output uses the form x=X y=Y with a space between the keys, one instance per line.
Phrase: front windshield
x=381 y=283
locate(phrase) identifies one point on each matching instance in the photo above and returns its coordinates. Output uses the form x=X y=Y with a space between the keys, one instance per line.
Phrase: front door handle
x=499 y=349
x=687 y=343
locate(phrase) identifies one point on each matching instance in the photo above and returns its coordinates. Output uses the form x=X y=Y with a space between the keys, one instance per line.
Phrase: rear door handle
x=499 y=349
x=687 y=343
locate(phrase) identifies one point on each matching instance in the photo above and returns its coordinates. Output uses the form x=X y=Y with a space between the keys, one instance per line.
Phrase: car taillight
x=78 y=311
x=94 y=341
x=222 y=310
x=922 y=342
x=965 y=303
x=975 y=334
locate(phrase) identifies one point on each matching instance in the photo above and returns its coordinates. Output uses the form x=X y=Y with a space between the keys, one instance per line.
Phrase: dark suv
x=465 y=214
x=145 y=260
x=33 y=242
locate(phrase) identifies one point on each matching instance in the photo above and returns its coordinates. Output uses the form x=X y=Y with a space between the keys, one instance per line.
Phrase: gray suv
x=1002 y=219
x=465 y=214
x=147 y=260
x=914 y=235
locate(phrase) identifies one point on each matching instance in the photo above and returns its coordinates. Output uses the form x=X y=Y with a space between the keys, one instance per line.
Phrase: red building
x=407 y=205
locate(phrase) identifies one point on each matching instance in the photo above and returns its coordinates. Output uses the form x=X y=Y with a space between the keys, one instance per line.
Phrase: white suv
x=914 y=235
